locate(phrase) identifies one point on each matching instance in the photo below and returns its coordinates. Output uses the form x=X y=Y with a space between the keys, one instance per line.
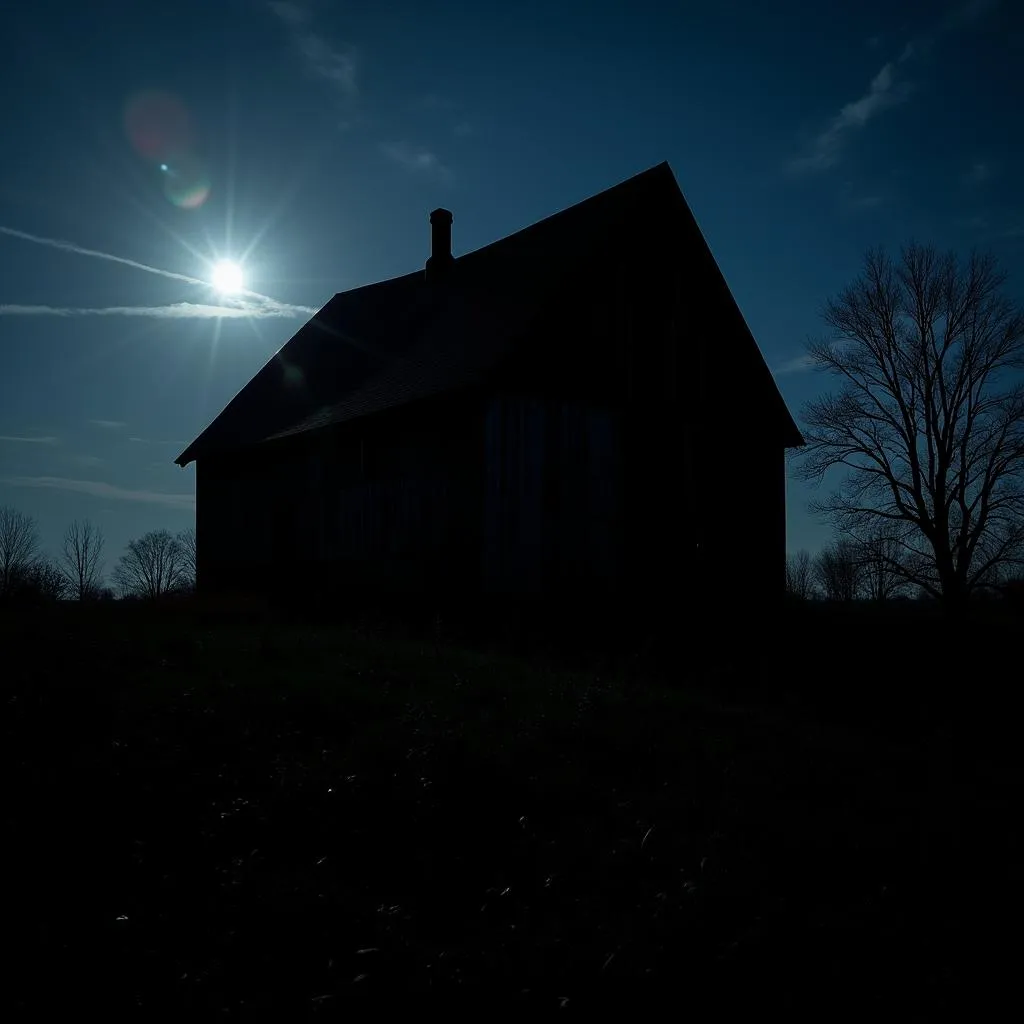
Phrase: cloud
x=324 y=60
x=108 y=424
x=979 y=173
x=434 y=101
x=28 y=440
x=826 y=149
x=444 y=108
x=857 y=201
x=249 y=304
x=799 y=364
x=885 y=90
x=959 y=16
x=412 y=158
x=79 y=250
x=146 y=440
x=97 y=489
x=87 y=461
x=173 y=311
x=977 y=222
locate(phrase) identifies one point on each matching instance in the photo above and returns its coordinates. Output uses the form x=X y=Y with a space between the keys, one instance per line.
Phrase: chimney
x=441 y=257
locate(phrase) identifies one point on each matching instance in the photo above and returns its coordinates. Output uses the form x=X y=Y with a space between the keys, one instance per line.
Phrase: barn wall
x=389 y=504
x=551 y=498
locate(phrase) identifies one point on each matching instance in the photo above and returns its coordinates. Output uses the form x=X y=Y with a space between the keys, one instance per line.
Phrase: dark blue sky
x=310 y=139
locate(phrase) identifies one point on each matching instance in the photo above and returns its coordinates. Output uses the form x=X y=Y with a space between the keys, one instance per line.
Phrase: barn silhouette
x=574 y=413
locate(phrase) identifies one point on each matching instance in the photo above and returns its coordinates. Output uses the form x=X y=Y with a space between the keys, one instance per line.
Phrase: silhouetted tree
x=879 y=551
x=152 y=566
x=838 y=571
x=800 y=575
x=43 y=580
x=929 y=418
x=80 y=559
x=19 y=546
x=187 y=540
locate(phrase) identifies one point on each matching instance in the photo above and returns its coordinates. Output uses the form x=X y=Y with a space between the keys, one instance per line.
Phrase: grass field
x=241 y=817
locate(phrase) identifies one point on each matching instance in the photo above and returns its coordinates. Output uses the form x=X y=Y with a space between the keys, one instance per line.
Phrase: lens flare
x=186 y=183
x=160 y=131
x=158 y=126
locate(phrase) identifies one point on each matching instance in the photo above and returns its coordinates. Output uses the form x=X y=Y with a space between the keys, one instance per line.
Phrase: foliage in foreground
x=296 y=820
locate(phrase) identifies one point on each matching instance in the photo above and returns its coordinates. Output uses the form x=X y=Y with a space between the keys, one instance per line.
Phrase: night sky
x=308 y=142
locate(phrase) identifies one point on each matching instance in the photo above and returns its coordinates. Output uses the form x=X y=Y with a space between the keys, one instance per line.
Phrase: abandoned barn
x=575 y=410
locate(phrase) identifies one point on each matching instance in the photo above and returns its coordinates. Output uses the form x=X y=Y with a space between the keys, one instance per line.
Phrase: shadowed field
x=234 y=815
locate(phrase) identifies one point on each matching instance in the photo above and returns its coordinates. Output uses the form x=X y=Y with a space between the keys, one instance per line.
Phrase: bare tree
x=80 y=558
x=152 y=566
x=838 y=571
x=187 y=540
x=800 y=575
x=19 y=547
x=879 y=551
x=929 y=418
x=43 y=580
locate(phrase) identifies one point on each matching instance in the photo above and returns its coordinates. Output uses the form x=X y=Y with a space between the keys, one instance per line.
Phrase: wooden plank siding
x=385 y=505
x=551 y=499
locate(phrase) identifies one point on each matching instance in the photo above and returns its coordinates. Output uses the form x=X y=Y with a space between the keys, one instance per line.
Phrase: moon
x=227 y=277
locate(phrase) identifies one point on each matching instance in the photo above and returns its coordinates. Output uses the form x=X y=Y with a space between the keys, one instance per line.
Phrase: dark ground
x=241 y=816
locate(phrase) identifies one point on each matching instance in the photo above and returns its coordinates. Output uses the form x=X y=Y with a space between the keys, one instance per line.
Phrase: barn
x=575 y=413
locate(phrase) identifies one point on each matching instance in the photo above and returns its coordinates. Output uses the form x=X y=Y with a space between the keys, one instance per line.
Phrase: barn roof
x=387 y=344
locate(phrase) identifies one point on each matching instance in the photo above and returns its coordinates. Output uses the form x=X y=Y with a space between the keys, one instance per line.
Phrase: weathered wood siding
x=386 y=505
x=551 y=498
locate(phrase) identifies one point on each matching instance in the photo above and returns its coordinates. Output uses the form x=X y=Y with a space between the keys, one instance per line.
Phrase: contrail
x=175 y=311
x=57 y=243
x=267 y=307
x=98 y=489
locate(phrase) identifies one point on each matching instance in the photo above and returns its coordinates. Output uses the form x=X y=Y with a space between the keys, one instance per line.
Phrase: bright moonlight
x=227 y=277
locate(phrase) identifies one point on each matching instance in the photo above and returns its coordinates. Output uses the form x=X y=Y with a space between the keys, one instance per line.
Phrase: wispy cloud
x=827 y=147
x=799 y=364
x=98 y=489
x=87 y=461
x=434 y=101
x=857 y=201
x=81 y=250
x=332 y=63
x=977 y=222
x=886 y=90
x=960 y=15
x=108 y=424
x=980 y=172
x=249 y=304
x=27 y=440
x=173 y=311
x=993 y=224
x=444 y=107
x=413 y=158
x=147 y=440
